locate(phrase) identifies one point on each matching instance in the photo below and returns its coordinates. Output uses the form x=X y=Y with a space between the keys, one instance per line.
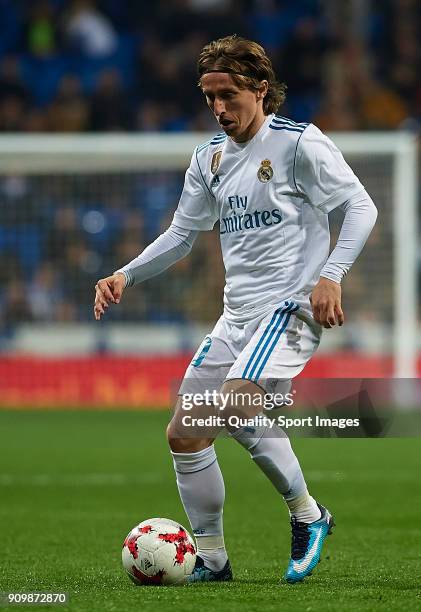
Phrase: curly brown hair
x=248 y=65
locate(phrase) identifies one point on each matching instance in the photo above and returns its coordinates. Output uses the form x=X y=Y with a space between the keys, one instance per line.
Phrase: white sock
x=202 y=492
x=271 y=450
x=212 y=550
x=303 y=507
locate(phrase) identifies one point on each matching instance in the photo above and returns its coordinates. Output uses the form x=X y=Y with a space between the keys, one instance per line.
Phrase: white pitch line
x=94 y=479
x=357 y=476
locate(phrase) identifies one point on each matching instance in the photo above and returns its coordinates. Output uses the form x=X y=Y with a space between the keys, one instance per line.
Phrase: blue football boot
x=201 y=573
x=306 y=545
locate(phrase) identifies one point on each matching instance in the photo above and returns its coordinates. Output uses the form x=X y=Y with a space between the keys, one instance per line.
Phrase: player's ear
x=263 y=89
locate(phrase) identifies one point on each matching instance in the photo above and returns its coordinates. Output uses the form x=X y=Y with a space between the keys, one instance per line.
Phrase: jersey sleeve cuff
x=129 y=278
x=192 y=224
x=332 y=275
x=340 y=198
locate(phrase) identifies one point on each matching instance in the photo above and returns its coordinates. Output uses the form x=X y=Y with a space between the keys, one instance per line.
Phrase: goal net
x=75 y=208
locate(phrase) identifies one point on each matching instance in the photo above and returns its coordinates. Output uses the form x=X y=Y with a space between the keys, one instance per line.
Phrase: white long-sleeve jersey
x=271 y=196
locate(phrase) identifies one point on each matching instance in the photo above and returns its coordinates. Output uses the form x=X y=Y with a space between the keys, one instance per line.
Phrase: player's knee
x=171 y=435
x=180 y=444
x=186 y=445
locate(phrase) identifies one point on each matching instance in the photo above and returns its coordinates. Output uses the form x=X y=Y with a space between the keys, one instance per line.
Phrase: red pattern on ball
x=144 y=579
x=182 y=544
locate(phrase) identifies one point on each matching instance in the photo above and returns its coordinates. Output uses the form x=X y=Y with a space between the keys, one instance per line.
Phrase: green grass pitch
x=74 y=483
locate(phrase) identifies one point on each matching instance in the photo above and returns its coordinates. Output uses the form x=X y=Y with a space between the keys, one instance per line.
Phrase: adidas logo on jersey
x=215 y=181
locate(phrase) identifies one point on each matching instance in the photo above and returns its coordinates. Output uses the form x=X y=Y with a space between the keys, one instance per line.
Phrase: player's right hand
x=108 y=291
x=325 y=301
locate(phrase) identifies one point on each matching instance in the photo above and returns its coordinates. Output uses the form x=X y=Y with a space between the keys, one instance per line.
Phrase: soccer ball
x=158 y=551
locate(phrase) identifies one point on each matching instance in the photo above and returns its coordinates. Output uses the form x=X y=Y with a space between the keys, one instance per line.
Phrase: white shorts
x=272 y=348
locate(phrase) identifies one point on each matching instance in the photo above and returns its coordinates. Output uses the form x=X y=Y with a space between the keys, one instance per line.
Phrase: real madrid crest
x=216 y=160
x=265 y=172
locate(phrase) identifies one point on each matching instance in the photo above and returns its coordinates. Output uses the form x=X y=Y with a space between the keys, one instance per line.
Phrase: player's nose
x=218 y=107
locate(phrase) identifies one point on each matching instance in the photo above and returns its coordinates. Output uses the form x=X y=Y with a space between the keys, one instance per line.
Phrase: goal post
x=403 y=148
x=405 y=184
x=386 y=163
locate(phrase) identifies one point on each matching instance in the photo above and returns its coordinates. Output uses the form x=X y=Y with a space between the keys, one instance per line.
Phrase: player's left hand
x=326 y=303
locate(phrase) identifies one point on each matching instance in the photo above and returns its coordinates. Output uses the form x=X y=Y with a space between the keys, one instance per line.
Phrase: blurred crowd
x=85 y=65
x=59 y=234
x=115 y=65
